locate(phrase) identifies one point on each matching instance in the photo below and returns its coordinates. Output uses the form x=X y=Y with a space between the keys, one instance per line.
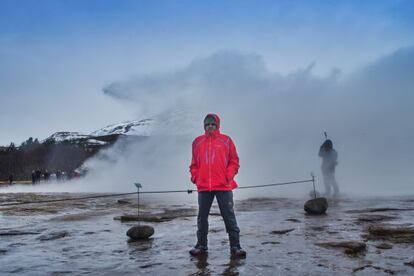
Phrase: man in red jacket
x=213 y=166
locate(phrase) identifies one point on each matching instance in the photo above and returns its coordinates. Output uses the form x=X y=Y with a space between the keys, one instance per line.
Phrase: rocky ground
x=362 y=236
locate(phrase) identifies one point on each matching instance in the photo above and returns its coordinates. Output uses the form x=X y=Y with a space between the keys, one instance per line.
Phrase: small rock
x=140 y=232
x=384 y=246
x=270 y=242
x=292 y=220
x=280 y=232
x=317 y=206
x=410 y=263
x=53 y=236
x=350 y=247
x=123 y=201
x=150 y=265
x=3 y=251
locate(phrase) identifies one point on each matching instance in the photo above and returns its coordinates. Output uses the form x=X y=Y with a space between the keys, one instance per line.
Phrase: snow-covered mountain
x=132 y=128
x=62 y=136
x=74 y=137
x=137 y=128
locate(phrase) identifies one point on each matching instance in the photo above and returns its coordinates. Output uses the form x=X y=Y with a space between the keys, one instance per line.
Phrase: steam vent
x=140 y=232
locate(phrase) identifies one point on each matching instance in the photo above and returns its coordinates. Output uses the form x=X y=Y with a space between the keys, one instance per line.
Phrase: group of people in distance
x=44 y=175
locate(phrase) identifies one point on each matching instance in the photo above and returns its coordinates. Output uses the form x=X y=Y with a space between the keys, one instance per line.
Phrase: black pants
x=225 y=202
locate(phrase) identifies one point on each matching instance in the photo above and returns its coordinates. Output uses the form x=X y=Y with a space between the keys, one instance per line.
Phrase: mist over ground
x=276 y=121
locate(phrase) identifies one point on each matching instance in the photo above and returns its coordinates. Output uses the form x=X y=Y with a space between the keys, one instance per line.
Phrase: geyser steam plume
x=277 y=122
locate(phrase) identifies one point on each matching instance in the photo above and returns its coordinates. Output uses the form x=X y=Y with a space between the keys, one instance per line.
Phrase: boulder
x=317 y=206
x=140 y=232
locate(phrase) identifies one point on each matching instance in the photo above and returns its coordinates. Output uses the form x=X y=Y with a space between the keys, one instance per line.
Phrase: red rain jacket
x=215 y=161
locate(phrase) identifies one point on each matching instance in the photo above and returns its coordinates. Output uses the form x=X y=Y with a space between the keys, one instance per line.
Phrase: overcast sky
x=56 y=57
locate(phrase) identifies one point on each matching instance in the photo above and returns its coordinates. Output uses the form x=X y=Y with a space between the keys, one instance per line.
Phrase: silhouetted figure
x=38 y=173
x=46 y=175
x=33 y=177
x=329 y=161
x=58 y=175
x=64 y=176
x=11 y=179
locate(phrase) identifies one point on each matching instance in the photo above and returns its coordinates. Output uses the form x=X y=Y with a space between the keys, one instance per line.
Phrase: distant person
x=329 y=161
x=213 y=166
x=58 y=175
x=53 y=177
x=33 y=177
x=11 y=179
x=46 y=175
x=64 y=176
x=38 y=173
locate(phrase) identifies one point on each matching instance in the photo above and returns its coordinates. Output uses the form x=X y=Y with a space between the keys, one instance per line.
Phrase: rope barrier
x=64 y=199
x=276 y=184
x=189 y=191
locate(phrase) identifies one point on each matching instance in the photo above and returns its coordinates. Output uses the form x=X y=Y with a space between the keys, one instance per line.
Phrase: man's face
x=210 y=126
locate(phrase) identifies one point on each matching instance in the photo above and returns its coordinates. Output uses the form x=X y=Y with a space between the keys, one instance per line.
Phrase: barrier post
x=138 y=185
x=313 y=183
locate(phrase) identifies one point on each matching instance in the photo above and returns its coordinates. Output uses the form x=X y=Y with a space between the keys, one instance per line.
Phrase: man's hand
x=229 y=178
x=193 y=179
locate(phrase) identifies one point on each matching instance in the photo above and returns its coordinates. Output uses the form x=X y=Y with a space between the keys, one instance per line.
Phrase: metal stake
x=138 y=185
x=313 y=183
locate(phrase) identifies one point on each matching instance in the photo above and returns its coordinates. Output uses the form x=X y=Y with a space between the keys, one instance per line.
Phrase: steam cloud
x=277 y=122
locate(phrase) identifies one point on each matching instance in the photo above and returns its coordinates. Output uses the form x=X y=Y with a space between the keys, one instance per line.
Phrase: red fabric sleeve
x=234 y=165
x=194 y=165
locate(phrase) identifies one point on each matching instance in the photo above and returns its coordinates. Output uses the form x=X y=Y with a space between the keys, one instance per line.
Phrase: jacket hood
x=217 y=119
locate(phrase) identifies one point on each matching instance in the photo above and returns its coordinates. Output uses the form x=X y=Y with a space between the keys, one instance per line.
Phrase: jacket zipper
x=209 y=163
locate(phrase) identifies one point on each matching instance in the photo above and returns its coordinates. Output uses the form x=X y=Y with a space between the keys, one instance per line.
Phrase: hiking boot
x=238 y=252
x=198 y=250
